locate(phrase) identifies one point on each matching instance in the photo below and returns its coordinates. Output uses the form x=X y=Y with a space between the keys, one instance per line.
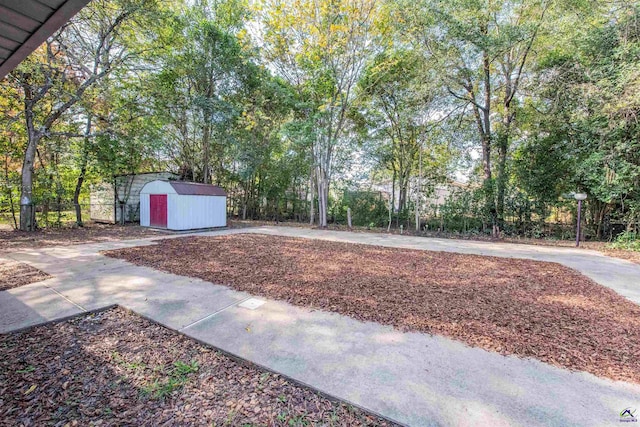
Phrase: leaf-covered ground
x=115 y=368
x=64 y=236
x=14 y=274
x=511 y=306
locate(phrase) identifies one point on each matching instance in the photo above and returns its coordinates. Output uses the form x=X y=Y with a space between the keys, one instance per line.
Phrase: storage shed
x=111 y=201
x=176 y=205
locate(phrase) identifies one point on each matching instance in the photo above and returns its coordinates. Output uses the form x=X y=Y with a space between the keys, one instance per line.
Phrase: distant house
x=111 y=201
x=431 y=198
x=441 y=193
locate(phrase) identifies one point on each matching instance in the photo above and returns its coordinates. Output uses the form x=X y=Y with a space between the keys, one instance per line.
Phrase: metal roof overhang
x=26 y=24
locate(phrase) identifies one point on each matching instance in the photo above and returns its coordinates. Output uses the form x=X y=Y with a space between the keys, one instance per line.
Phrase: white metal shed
x=177 y=205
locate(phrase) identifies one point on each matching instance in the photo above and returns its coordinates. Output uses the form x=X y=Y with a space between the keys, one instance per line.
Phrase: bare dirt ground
x=90 y=233
x=14 y=274
x=517 y=307
x=116 y=368
x=602 y=247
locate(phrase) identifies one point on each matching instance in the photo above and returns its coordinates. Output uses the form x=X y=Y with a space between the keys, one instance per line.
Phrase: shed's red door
x=158 y=210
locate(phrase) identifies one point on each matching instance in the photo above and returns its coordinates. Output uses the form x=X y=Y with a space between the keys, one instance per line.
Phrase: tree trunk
x=390 y=215
x=419 y=189
x=323 y=196
x=9 y=192
x=487 y=138
x=76 y=196
x=602 y=212
x=501 y=181
x=27 y=211
x=312 y=210
x=393 y=198
x=206 y=157
x=83 y=170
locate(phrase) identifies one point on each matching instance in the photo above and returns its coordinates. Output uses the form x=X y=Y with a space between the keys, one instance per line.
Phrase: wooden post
x=349 y=217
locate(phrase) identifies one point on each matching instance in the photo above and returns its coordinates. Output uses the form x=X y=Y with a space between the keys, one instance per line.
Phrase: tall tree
x=396 y=108
x=586 y=111
x=484 y=48
x=321 y=47
x=202 y=71
x=57 y=77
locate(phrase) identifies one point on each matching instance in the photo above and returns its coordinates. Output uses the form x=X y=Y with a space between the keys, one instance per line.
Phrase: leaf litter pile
x=14 y=274
x=116 y=368
x=512 y=306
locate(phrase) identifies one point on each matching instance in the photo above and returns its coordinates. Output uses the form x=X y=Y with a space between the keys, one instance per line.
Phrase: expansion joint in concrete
x=209 y=316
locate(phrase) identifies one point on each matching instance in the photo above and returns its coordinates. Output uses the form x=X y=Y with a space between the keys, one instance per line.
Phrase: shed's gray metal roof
x=26 y=24
x=195 y=189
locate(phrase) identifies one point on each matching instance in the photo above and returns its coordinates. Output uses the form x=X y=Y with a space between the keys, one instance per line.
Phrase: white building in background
x=431 y=199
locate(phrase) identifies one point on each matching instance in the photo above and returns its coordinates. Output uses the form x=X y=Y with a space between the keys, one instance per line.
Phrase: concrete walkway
x=413 y=378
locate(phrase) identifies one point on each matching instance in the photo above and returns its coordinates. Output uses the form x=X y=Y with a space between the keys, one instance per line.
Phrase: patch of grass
x=229 y=421
x=131 y=366
x=231 y=416
x=293 y=420
x=182 y=369
x=178 y=375
x=627 y=240
x=26 y=370
x=299 y=420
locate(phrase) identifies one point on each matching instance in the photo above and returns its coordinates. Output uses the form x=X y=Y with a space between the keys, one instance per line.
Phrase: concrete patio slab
x=417 y=379
x=172 y=300
x=32 y=304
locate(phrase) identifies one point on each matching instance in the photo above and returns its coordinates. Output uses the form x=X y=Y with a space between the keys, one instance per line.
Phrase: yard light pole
x=579 y=197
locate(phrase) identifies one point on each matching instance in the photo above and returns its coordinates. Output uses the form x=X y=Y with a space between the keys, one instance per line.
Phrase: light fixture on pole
x=579 y=197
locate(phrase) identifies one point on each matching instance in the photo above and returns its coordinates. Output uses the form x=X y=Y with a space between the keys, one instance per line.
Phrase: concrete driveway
x=412 y=378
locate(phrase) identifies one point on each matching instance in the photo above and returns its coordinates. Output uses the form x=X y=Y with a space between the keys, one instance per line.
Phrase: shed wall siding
x=192 y=212
x=102 y=208
x=145 y=215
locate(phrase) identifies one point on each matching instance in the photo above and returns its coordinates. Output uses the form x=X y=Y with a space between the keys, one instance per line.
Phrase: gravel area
x=114 y=368
x=90 y=233
x=511 y=306
x=14 y=274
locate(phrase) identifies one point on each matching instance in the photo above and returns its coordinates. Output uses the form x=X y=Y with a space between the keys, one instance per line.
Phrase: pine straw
x=114 y=368
x=511 y=306
x=14 y=274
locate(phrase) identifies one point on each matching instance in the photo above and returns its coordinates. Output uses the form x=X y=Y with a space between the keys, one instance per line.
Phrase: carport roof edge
x=31 y=23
